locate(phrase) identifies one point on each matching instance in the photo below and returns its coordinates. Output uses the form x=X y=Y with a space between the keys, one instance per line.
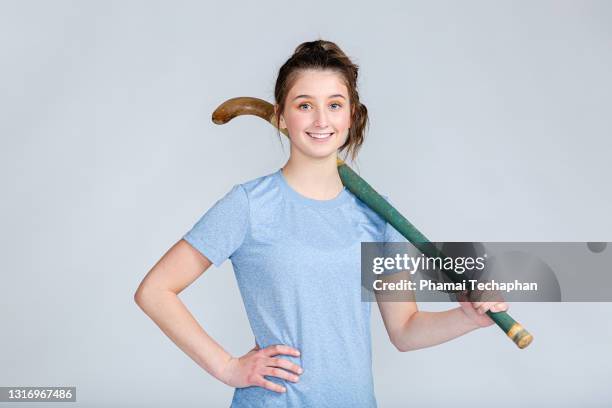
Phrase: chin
x=324 y=156
x=322 y=151
x=318 y=153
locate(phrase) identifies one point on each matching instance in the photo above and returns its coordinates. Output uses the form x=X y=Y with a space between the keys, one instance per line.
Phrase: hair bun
x=318 y=46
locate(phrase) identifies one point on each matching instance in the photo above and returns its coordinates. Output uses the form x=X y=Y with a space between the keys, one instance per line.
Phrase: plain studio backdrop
x=490 y=121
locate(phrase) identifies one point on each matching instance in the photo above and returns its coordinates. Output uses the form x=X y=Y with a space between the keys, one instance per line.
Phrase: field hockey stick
x=361 y=189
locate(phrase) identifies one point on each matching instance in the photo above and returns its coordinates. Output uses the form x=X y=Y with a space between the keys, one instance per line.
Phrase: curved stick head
x=245 y=105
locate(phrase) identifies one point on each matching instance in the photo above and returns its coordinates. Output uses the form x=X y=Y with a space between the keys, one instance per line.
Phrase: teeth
x=319 y=135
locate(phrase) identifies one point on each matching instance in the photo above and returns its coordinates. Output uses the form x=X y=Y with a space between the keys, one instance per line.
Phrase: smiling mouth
x=320 y=135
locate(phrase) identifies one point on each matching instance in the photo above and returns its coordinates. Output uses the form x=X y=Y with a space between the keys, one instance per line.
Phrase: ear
x=281 y=121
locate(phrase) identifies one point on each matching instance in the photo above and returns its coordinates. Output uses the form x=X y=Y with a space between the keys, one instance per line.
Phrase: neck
x=313 y=178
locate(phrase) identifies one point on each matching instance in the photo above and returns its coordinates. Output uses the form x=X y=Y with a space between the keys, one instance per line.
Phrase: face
x=317 y=114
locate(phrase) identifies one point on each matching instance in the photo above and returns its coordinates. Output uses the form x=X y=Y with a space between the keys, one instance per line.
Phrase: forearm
x=174 y=319
x=425 y=329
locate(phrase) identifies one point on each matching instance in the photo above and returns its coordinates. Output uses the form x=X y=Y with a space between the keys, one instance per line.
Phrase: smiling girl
x=294 y=239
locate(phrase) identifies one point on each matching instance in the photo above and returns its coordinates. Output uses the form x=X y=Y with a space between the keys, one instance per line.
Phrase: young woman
x=294 y=237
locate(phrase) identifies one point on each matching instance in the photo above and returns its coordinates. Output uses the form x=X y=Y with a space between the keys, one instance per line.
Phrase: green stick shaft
x=362 y=190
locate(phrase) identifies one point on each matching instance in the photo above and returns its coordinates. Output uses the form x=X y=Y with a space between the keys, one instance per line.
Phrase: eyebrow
x=309 y=96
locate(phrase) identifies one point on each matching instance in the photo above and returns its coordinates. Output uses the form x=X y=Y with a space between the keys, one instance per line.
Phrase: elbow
x=141 y=296
x=402 y=335
x=138 y=297
x=147 y=296
x=401 y=344
x=402 y=348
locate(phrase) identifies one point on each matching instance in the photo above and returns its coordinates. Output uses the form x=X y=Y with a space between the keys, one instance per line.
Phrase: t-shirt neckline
x=293 y=195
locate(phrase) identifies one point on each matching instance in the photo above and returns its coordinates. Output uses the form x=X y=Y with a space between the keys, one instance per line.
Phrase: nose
x=320 y=119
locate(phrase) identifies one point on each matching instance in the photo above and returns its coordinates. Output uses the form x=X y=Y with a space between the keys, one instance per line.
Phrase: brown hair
x=325 y=55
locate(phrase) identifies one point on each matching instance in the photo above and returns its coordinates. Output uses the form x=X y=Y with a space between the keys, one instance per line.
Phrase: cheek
x=297 y=121
x=344 y=121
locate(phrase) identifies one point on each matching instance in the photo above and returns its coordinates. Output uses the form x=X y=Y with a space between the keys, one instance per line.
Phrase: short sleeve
x=222 y=229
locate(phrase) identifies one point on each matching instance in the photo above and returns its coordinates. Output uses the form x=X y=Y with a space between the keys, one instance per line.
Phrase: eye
x=304 y=104
x=337 y=104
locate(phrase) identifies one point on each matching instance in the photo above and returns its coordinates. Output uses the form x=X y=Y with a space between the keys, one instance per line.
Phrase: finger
x=286 y=364
x=483 y=309
x=269 y=385
x=500 y=307
x=280 y=349
x=280 y=373
x=477 y=305
x=486 y=306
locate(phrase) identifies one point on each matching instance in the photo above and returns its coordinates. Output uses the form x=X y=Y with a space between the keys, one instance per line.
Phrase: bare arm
x=157 y=296
x=411 y=329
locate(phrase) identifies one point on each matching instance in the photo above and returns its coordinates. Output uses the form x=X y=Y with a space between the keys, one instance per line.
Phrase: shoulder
x=258 y=184
x=246 y=189
x=360 y=206
x=261 y=191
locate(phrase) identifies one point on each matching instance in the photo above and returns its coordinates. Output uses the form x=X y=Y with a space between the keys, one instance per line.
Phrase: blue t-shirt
x=297 y=264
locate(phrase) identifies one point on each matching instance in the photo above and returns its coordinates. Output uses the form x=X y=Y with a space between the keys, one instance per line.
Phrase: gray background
x=490 y=121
